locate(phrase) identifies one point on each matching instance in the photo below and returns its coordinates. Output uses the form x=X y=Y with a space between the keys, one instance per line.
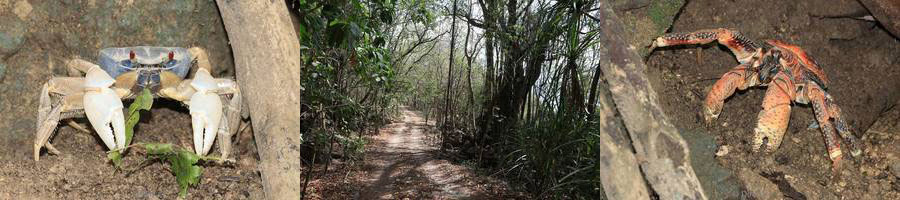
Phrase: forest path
x=403 y=162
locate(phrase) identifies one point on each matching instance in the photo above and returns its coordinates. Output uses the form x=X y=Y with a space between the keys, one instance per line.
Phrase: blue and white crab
x=125 y=72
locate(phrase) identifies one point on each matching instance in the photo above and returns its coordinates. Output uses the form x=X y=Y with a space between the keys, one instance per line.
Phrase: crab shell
x=804 y=59
x=126 y=77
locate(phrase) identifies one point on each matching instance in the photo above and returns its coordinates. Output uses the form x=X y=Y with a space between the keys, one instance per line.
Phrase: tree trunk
x=448 y=107
x=664 y=155
x=592 y=96
x=267 y=64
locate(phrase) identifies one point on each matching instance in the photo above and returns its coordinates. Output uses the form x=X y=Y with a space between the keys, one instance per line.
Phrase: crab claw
x=103 y=108
x=206 y=111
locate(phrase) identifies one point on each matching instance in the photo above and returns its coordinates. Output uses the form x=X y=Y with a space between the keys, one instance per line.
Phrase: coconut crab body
x=790 y=75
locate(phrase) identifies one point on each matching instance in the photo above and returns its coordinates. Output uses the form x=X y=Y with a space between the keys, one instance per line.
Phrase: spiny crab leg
x=206 y=111
x=103 y=108
x=743 y=48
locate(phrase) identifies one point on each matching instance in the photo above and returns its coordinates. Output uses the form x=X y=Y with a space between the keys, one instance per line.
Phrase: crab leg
x=773 y=119
x=199 y=54
x=206 y=111
x=205 y=97
x=842 y=127
x=231 y=115
x=739 y=78
x=825 y=111
x=50 y=112
x=743 y=48
x=48 y=119
x=103 y=108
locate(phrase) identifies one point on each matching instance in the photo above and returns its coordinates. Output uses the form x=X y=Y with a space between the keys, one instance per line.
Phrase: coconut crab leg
x=743 y=48
x=739 y=78
x=828 y=115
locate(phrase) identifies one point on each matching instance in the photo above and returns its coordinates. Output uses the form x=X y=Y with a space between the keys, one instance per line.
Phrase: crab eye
x=131 y=55
x=171 y=55
x=170 y=63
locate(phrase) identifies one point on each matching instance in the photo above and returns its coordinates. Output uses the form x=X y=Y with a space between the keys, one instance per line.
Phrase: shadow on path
x=404 y=163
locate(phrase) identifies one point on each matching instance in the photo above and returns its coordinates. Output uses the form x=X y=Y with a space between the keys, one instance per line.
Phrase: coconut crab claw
x=103 y=108
x=206 y=111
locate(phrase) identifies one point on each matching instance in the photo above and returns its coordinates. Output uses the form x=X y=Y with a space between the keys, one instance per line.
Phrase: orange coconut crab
x=791 y=76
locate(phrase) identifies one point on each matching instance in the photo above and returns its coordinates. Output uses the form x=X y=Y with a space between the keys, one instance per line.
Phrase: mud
x=860 y=59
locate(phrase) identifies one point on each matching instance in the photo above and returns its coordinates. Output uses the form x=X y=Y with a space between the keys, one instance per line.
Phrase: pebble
x=22 y=9
x=722 y=151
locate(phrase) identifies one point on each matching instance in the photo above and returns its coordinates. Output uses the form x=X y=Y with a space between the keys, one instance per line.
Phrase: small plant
x=182 y=162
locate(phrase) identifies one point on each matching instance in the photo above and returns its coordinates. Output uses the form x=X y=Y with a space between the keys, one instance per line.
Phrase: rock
x=717 y=181
x=887 y=12
x=645 y=20
x=759 y=186
x=12 y=35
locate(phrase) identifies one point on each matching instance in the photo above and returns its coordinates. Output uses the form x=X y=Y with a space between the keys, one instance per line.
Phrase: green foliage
x=116 y=158
x=557 y=157
x=354 y=147
x=350 y=84
x=142 y=102
x=182 y=163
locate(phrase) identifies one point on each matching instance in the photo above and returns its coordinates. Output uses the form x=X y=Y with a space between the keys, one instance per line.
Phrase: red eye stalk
x=131 y=55
x=171 y=55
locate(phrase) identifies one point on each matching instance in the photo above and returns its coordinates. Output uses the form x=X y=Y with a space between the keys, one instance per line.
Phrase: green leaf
x=159 y=149
x=116 y=158
x=185 y=169
x=182 y=162
x=142 y=102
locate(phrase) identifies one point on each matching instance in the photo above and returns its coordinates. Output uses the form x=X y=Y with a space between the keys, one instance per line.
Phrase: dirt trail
x=403 y=162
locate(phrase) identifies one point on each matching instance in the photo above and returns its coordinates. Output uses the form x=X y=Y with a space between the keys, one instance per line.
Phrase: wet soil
x=404 y=162
x=862 y=62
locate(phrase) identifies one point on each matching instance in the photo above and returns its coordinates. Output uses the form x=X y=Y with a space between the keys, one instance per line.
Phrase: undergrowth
x=183 y=162
x=554 y=157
